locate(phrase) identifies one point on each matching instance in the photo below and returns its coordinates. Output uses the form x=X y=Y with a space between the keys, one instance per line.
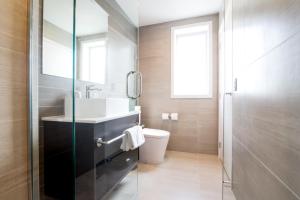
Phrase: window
x=192 y=61
x=93 y=61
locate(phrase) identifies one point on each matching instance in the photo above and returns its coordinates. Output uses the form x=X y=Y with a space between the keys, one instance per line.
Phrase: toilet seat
x=155 y=133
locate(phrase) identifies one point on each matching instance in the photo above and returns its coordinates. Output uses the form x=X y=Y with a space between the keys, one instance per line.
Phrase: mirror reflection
x=57 y=39
x=106 y=50
x=91 y=39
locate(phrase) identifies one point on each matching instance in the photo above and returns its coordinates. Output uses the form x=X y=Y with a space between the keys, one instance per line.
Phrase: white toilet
x=154 y=149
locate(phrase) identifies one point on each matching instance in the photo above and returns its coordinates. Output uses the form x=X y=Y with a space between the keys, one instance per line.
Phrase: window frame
x=210 y=60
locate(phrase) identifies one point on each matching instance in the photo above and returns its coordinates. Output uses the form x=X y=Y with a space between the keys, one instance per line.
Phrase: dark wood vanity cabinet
x=92 y=172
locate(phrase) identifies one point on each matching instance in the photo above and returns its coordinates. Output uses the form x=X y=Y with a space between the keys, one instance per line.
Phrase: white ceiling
x=159 y=11
x=130 y=7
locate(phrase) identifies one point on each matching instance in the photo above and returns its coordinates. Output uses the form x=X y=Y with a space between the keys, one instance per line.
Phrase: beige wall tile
x=13 y=100
x=196 y=130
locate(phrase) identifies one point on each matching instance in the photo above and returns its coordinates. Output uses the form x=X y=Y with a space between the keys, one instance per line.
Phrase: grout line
x=22 y=53
x=268 y=52
x=10 y=121
x=267 y=168
x=6 y=34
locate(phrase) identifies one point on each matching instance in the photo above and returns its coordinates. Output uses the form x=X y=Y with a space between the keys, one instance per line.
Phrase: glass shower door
x=105 y=99
x=86 y=100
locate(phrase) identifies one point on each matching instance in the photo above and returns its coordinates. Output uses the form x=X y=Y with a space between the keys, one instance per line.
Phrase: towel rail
x=100 y=141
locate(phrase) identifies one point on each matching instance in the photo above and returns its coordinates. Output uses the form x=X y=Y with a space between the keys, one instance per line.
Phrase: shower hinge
x=235 y=84
x=227 y=184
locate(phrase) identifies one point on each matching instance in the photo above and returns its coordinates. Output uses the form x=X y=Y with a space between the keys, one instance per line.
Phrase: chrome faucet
x=90 y=88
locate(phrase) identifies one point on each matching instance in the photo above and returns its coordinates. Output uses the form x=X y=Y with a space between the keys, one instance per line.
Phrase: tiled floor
x=183 y=176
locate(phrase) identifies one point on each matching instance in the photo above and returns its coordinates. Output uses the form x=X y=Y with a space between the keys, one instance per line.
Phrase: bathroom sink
x=98 y=107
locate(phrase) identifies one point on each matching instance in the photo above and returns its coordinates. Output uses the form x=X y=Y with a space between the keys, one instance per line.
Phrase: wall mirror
x=106 y=37
x=91 y=38
x=106 y=42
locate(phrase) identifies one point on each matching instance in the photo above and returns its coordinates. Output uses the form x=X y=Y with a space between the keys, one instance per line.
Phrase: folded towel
x=133 y=138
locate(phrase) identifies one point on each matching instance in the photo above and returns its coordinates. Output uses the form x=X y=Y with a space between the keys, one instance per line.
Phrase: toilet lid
x=155 y=133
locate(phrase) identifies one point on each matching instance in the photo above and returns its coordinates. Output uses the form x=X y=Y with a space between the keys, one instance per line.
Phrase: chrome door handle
x=140 y=84
x=127 y=84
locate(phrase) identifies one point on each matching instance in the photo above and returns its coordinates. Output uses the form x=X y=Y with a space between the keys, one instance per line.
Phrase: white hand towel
x=133 y=138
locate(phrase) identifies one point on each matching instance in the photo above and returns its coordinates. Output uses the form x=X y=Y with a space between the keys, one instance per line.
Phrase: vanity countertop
x=89 y=120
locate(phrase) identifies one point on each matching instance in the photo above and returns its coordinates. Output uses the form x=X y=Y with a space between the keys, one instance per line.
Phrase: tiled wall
x=13 y=100
x=197 y=127
x=266 y=111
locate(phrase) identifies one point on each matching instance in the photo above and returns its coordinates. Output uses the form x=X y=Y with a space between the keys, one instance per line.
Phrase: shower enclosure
x=84 y=88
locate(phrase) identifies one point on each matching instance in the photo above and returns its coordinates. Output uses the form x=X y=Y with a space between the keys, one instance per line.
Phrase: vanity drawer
x=111 y=171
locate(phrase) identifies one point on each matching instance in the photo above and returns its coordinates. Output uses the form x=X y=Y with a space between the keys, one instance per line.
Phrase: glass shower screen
x=106 y=51
x=86 y=48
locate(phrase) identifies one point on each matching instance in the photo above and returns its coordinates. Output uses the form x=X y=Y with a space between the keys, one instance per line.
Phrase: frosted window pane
x=93 y=62
x=191 y=66
x=97 y=64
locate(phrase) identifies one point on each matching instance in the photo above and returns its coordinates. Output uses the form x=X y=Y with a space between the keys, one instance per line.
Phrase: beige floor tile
x=183 y=176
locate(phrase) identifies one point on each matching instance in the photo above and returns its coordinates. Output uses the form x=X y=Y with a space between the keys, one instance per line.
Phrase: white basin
x=93 y=108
